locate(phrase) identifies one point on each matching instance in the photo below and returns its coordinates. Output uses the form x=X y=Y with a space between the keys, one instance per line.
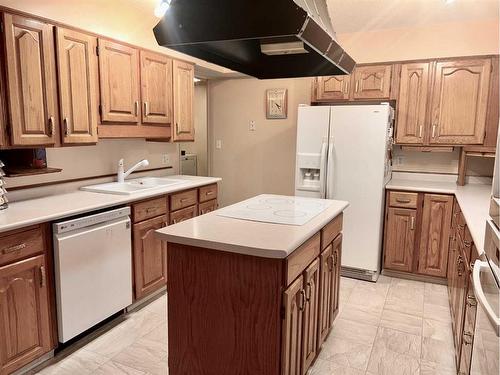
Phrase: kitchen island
x=252 y=297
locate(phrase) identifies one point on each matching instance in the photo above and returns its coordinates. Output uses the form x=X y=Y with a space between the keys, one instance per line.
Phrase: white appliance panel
x=357 y=174
x=93 y=275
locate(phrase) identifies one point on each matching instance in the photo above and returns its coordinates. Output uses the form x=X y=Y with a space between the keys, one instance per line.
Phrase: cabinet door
x=310 y=320
x=156 y=88
x=24 y=313
x=372 y=82
x=183 y=101
x=325 y=294
x=78 y=85
x=459 y=101
x=434 y=240
x=468 y=331
x=412 y=103
x=182 y=215
x=150 y=257
x=119 y=81
x=31 y=81
x=336 y=268
x=333 y=87
x=294 y=299
x=399 y=239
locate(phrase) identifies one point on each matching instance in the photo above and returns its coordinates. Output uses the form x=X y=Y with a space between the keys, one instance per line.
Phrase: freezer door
x=356 y=169
x=312 y=145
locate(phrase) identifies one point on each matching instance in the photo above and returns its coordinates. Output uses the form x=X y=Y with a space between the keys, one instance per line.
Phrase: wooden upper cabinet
x=25 y=331
x=31 y=81
x=399 y=239
x=156 y=88
x=78 y=85
x=150 y=257
x=412 y=103
x=310 y=321
x=294 y=299
x=119 y=82
x=459 y=101
x=434 y=241
x=183 y=83
x=372 y=82
x=333 y=87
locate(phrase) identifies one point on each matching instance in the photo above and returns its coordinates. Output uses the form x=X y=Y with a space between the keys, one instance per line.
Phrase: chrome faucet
x=121 y=172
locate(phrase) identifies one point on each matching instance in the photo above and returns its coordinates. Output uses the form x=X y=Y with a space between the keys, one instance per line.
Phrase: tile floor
x=393 y=327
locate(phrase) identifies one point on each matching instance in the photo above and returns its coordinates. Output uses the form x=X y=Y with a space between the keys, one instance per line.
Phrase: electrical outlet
x=252 y=126
x=165 y=159
x=218 y=144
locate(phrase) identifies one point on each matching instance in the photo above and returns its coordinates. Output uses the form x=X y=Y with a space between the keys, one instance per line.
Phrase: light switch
x=252 y=126
x=218 y=144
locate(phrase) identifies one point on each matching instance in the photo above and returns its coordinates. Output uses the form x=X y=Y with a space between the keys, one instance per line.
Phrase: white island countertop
x=53 y=207
x=255 y=238
x=473 y=198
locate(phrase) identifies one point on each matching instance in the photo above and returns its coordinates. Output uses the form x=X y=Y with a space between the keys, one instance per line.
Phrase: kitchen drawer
x=182 y=215
x=21 y=243
x=207 y=193
x=330 y=231
x=183 y=199
x=297 y=261
x=403 y=199
x=206 y=207
x=148 y=209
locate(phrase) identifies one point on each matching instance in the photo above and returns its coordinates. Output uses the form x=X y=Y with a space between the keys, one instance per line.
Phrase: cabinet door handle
x=43 y=277
x=308 y=291
x=357 y=86
x=434 y=127
x=420 y=132
x=52 y=126
x=302 y=304
x=471 y=301
x=468 y=338
x=11 y=249
x=330 y=262
x=146 y=112
x=66 y=126
x=136 y=107
x=460 y=264
x=346 y=88
x=467 y=243
x=342 y=86
x=412 y=223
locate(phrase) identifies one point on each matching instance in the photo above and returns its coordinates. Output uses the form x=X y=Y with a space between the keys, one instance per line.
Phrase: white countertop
x=474 y=200
x=247 y=237
x=54 y=207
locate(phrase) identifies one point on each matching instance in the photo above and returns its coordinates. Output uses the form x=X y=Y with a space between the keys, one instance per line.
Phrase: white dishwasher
x=93 y=269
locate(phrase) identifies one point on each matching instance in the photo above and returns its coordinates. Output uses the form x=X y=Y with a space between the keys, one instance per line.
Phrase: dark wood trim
x=414 y=276
x=43 y=184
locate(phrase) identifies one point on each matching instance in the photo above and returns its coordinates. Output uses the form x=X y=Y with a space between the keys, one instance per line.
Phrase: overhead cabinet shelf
x=441 y=102
x=84 y=87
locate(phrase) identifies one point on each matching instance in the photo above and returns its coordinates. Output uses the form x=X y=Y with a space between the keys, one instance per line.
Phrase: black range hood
x=260 y=38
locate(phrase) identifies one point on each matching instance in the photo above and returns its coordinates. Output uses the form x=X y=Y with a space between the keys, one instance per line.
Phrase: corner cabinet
x=416 y=234
x=119 y=82
x=183 y=88
x=31 y=81
x=78 y=85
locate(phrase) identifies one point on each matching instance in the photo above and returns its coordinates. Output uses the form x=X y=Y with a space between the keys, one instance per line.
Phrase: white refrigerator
x=343 y=152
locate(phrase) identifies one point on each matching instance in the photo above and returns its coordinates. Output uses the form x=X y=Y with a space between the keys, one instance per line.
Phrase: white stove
x=278 y=209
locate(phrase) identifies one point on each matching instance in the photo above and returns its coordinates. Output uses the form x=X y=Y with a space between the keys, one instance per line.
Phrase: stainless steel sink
x=133 y=186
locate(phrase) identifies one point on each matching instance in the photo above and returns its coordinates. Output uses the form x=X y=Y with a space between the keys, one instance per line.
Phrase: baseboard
x=415 y=277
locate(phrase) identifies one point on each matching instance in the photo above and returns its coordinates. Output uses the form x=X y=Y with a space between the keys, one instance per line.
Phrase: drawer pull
x=209 y=193
x=471 y=301
x=461 y=268
x=302 y=304
x=14 y=248
x=308 y=291
x=468 y=338
x=399 y=200
x=43 y=277
x=150 y=209
x=184 y=200
x=412 y=223
x=467 y=243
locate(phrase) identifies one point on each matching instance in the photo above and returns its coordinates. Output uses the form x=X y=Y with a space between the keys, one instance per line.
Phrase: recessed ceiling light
x=449 y=1
x=161 y=8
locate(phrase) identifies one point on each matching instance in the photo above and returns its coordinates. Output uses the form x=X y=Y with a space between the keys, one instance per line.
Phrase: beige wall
x=251 y=163
x=200 y=144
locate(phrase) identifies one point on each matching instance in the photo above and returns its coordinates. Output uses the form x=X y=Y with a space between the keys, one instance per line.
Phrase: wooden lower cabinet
x=150 y=257
x=25 y=315
x=294 y=300
x=416 y=239
x=182 y=215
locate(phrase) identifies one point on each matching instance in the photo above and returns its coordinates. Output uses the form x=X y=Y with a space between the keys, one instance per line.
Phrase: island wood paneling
x=208 y=333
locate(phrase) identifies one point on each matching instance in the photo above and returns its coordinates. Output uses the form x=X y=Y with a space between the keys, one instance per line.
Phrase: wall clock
x=276 y=103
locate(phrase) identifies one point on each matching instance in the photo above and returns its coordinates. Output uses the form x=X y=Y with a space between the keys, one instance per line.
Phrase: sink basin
x=132 y=186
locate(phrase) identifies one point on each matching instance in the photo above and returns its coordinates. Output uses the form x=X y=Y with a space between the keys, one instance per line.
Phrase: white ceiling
x=367 y=15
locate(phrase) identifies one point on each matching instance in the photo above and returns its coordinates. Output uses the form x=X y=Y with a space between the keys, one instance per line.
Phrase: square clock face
x=276 y=103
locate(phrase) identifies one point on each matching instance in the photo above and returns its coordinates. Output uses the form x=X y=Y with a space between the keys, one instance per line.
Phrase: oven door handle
x=480 y=297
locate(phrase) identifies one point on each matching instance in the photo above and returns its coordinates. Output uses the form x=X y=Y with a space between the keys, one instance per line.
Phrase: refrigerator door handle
x=329 y=186
x=322 y=171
